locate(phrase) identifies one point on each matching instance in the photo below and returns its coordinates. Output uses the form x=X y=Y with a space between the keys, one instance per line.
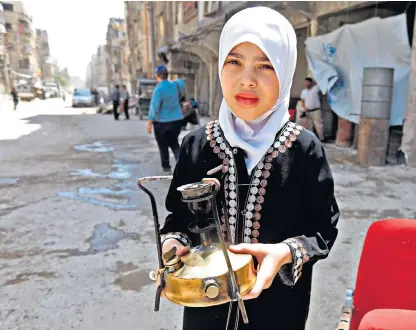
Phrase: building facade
x=116 y=54
x=136 y=41
x=185 y=35
x=4 y=60
x=97 y=69
x=20 y=41
x=43 y=55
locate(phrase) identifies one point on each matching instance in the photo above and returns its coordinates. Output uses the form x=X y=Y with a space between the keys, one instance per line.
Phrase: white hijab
x=275 y=36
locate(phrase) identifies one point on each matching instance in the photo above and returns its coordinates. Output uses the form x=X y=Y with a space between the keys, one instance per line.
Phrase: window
x=24 y=64
x=24 y=27
x=8 y=7
x=8 y=27
x=82 y=92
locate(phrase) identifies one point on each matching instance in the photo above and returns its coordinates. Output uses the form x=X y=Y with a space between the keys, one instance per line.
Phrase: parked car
x=52 y=90
x=83 y=98
x=25 y=92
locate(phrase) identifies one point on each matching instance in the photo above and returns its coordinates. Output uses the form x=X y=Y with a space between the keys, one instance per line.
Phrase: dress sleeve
x=319 y=229
x=179 y=216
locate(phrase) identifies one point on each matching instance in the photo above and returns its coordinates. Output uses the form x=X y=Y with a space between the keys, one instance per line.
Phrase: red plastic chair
x=386 y=278
x=389 y=319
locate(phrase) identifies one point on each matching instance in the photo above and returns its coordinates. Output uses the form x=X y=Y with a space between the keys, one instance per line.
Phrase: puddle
x=103 y=191
x=133 y=281
x=94 y=147
x=121 y=172
x=26 y=276
x=8 y=181
x=122 y=267
x=104 y=238
x=98 y=202
x=117 y=197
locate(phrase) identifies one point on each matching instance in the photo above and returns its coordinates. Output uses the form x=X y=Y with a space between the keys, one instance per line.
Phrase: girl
x=277 y=186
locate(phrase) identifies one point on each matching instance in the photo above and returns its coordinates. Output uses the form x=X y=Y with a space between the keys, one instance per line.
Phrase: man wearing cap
x=165 y=115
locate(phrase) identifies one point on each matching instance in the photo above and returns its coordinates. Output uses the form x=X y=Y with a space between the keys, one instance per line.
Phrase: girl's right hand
x=180 y=251
x=170 y=243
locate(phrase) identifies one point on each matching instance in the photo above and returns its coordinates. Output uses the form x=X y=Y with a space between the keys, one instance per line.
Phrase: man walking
x=124 y=99
x=311 y=104
x=165 y=115
x=15 y=97
x=116 y=101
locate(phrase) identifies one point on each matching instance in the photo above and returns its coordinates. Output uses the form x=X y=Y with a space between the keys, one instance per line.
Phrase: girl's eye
x=232 y=62
x=265 y=66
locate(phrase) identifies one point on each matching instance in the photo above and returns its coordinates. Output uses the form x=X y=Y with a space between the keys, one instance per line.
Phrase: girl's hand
x=180 y=250
x=271 y=257
x=170 y=243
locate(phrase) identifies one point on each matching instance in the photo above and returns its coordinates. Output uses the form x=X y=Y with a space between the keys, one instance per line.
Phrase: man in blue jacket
x=165 y=115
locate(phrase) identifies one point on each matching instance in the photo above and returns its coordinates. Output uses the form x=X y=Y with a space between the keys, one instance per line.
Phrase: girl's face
x=249 y=82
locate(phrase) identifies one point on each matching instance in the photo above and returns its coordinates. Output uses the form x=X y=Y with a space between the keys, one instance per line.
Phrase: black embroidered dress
x=289 y=196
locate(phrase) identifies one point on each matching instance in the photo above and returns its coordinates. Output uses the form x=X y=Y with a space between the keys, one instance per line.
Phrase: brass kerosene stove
x=209 y=274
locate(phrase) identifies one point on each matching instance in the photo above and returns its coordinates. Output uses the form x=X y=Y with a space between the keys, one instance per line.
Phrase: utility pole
x=146 y=27
x=152 y=36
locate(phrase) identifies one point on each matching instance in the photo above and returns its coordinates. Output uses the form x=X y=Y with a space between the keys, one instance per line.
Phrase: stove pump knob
x=211 y=289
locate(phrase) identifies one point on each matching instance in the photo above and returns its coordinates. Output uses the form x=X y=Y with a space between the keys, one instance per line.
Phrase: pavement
x=76 y=235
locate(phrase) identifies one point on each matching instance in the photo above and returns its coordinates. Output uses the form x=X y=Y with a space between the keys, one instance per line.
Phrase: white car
x=83 y=98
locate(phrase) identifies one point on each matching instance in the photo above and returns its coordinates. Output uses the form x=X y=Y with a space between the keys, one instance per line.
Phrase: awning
x=26 y=76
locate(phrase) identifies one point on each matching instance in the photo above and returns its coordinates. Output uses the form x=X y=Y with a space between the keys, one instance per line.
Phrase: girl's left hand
x=271 y=257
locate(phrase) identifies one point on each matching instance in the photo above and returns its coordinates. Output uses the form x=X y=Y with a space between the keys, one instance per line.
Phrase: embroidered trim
x=299 y=255
x=178 y=236
x=225 y=153
x=259 y=177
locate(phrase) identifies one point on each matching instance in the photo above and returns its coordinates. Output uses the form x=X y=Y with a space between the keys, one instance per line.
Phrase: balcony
x=24 y=17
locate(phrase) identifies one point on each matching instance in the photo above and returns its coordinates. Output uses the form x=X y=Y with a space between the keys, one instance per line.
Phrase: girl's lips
x=246 y=99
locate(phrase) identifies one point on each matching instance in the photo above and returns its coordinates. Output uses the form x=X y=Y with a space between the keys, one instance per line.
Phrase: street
x=77 y=237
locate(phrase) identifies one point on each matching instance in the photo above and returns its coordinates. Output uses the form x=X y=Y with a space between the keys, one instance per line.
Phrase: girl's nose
x=248 y=79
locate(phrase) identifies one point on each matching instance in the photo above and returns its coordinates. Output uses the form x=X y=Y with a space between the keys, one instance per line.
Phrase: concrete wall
x=301 y=71
x=117 y=61
x=335 y=21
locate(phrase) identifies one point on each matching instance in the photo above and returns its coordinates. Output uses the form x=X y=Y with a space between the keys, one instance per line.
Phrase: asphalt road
x=76 y=235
